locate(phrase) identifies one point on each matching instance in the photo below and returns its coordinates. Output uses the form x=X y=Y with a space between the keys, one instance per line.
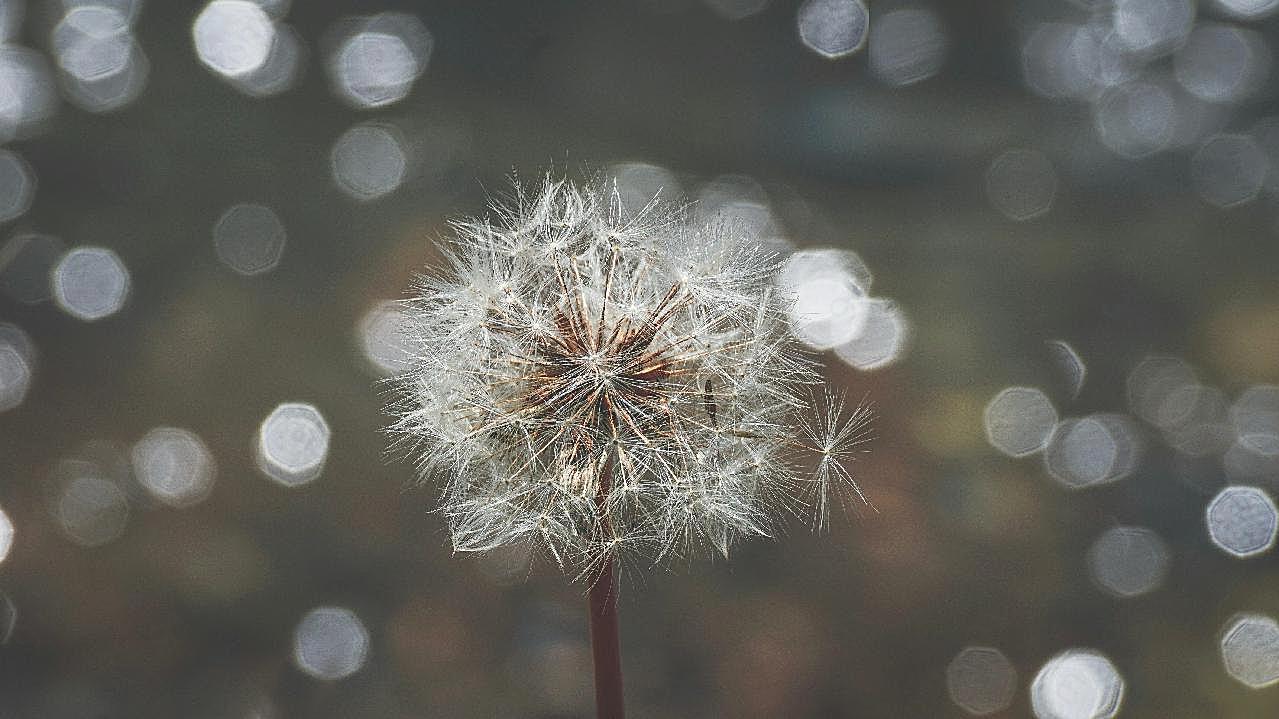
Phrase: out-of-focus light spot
x=1136 y=120
x=127 y=9
x=92 y=511
x=1220 y=63
x=383 y=338
x=1250 y=650
x=174 y=465
x=1049 y=60
x=1194 y=420
x=828 y=306
x=330 y=643
x=27 y=91
x=1096 y=449
x=639 y=183
x=883 y=338
x=833 y=28
x=736 y=9
x=377 y=63
x=17 y=365
x=1242 y=521
x=1153 y=382
x=981 y=680
x=110 y=92
x=293 y=443
x=1256 y=411
x=1021 y=184
x=907 y=46
x=1019 y=421
x=1128 y=561
x=92 y=42
x=718 y=196
x=17 y=186
x=1247 y=9
x=279 y=72
x=249 y=239
x=26 y=262
x=233 y=38
x=90 y=283
x=1254 y=419
x=1229 y=170
x=6 y=535
x=1069 y=365
x=1153 y=27
x=8 y=618
x=368 y=161
x=1077 y=684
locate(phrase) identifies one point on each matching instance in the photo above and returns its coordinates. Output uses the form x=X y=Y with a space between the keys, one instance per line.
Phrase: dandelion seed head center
x=594 y=379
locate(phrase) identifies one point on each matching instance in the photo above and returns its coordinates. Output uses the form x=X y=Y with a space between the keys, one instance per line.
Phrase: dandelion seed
x=605 y=385
x=600 y=382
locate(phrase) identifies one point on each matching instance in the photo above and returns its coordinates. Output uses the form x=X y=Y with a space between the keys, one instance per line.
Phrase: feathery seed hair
x=603 y=384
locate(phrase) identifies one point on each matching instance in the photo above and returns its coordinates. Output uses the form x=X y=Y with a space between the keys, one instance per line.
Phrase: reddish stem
x=606 y=646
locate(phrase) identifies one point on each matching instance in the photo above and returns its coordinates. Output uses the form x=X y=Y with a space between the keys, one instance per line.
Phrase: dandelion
x=610 y=386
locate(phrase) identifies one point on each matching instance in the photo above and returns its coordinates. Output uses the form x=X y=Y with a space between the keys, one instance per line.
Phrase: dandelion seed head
x=597 y=381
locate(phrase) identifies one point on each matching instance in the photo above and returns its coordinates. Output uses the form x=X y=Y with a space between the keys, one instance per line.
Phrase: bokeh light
x=829 y=305
x=1019 y=421
x=981 y=680
x=17 y=366
x=1247 y=9
x=91 y=510
x=369 y=161
x=640 y=183
x=330 y=643
x=1069 y=365
x=293 y=443
x=249 y=239
x=1136 y=120
x=379 y=58
x=383 y=338
x=233 y=38
x=1077 y=684
x=174 y=465
x=1092 y=450
x=1021 y=184
x=907 y=46
x=28 y=95
x=17 y=186
x=1221 y=63
x=90 y=283
x=1242 y=521
x=6 y=535
x=1153 y=27
x=883 y=339
x=1250 y=649
x=833 y=28
x=1128 y=561
x=1229 y=170
x=103 y=68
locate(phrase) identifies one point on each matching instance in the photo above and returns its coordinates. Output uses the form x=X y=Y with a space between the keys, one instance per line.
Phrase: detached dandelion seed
x=606 y=385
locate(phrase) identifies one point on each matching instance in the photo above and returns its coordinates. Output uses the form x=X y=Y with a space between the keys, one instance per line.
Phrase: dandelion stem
x=606 y=646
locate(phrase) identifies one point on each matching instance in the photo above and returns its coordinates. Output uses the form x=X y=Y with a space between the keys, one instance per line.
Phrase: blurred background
x=1039 y=236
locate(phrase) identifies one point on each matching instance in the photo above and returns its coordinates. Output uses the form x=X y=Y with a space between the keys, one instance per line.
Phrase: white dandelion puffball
x=597 y=383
